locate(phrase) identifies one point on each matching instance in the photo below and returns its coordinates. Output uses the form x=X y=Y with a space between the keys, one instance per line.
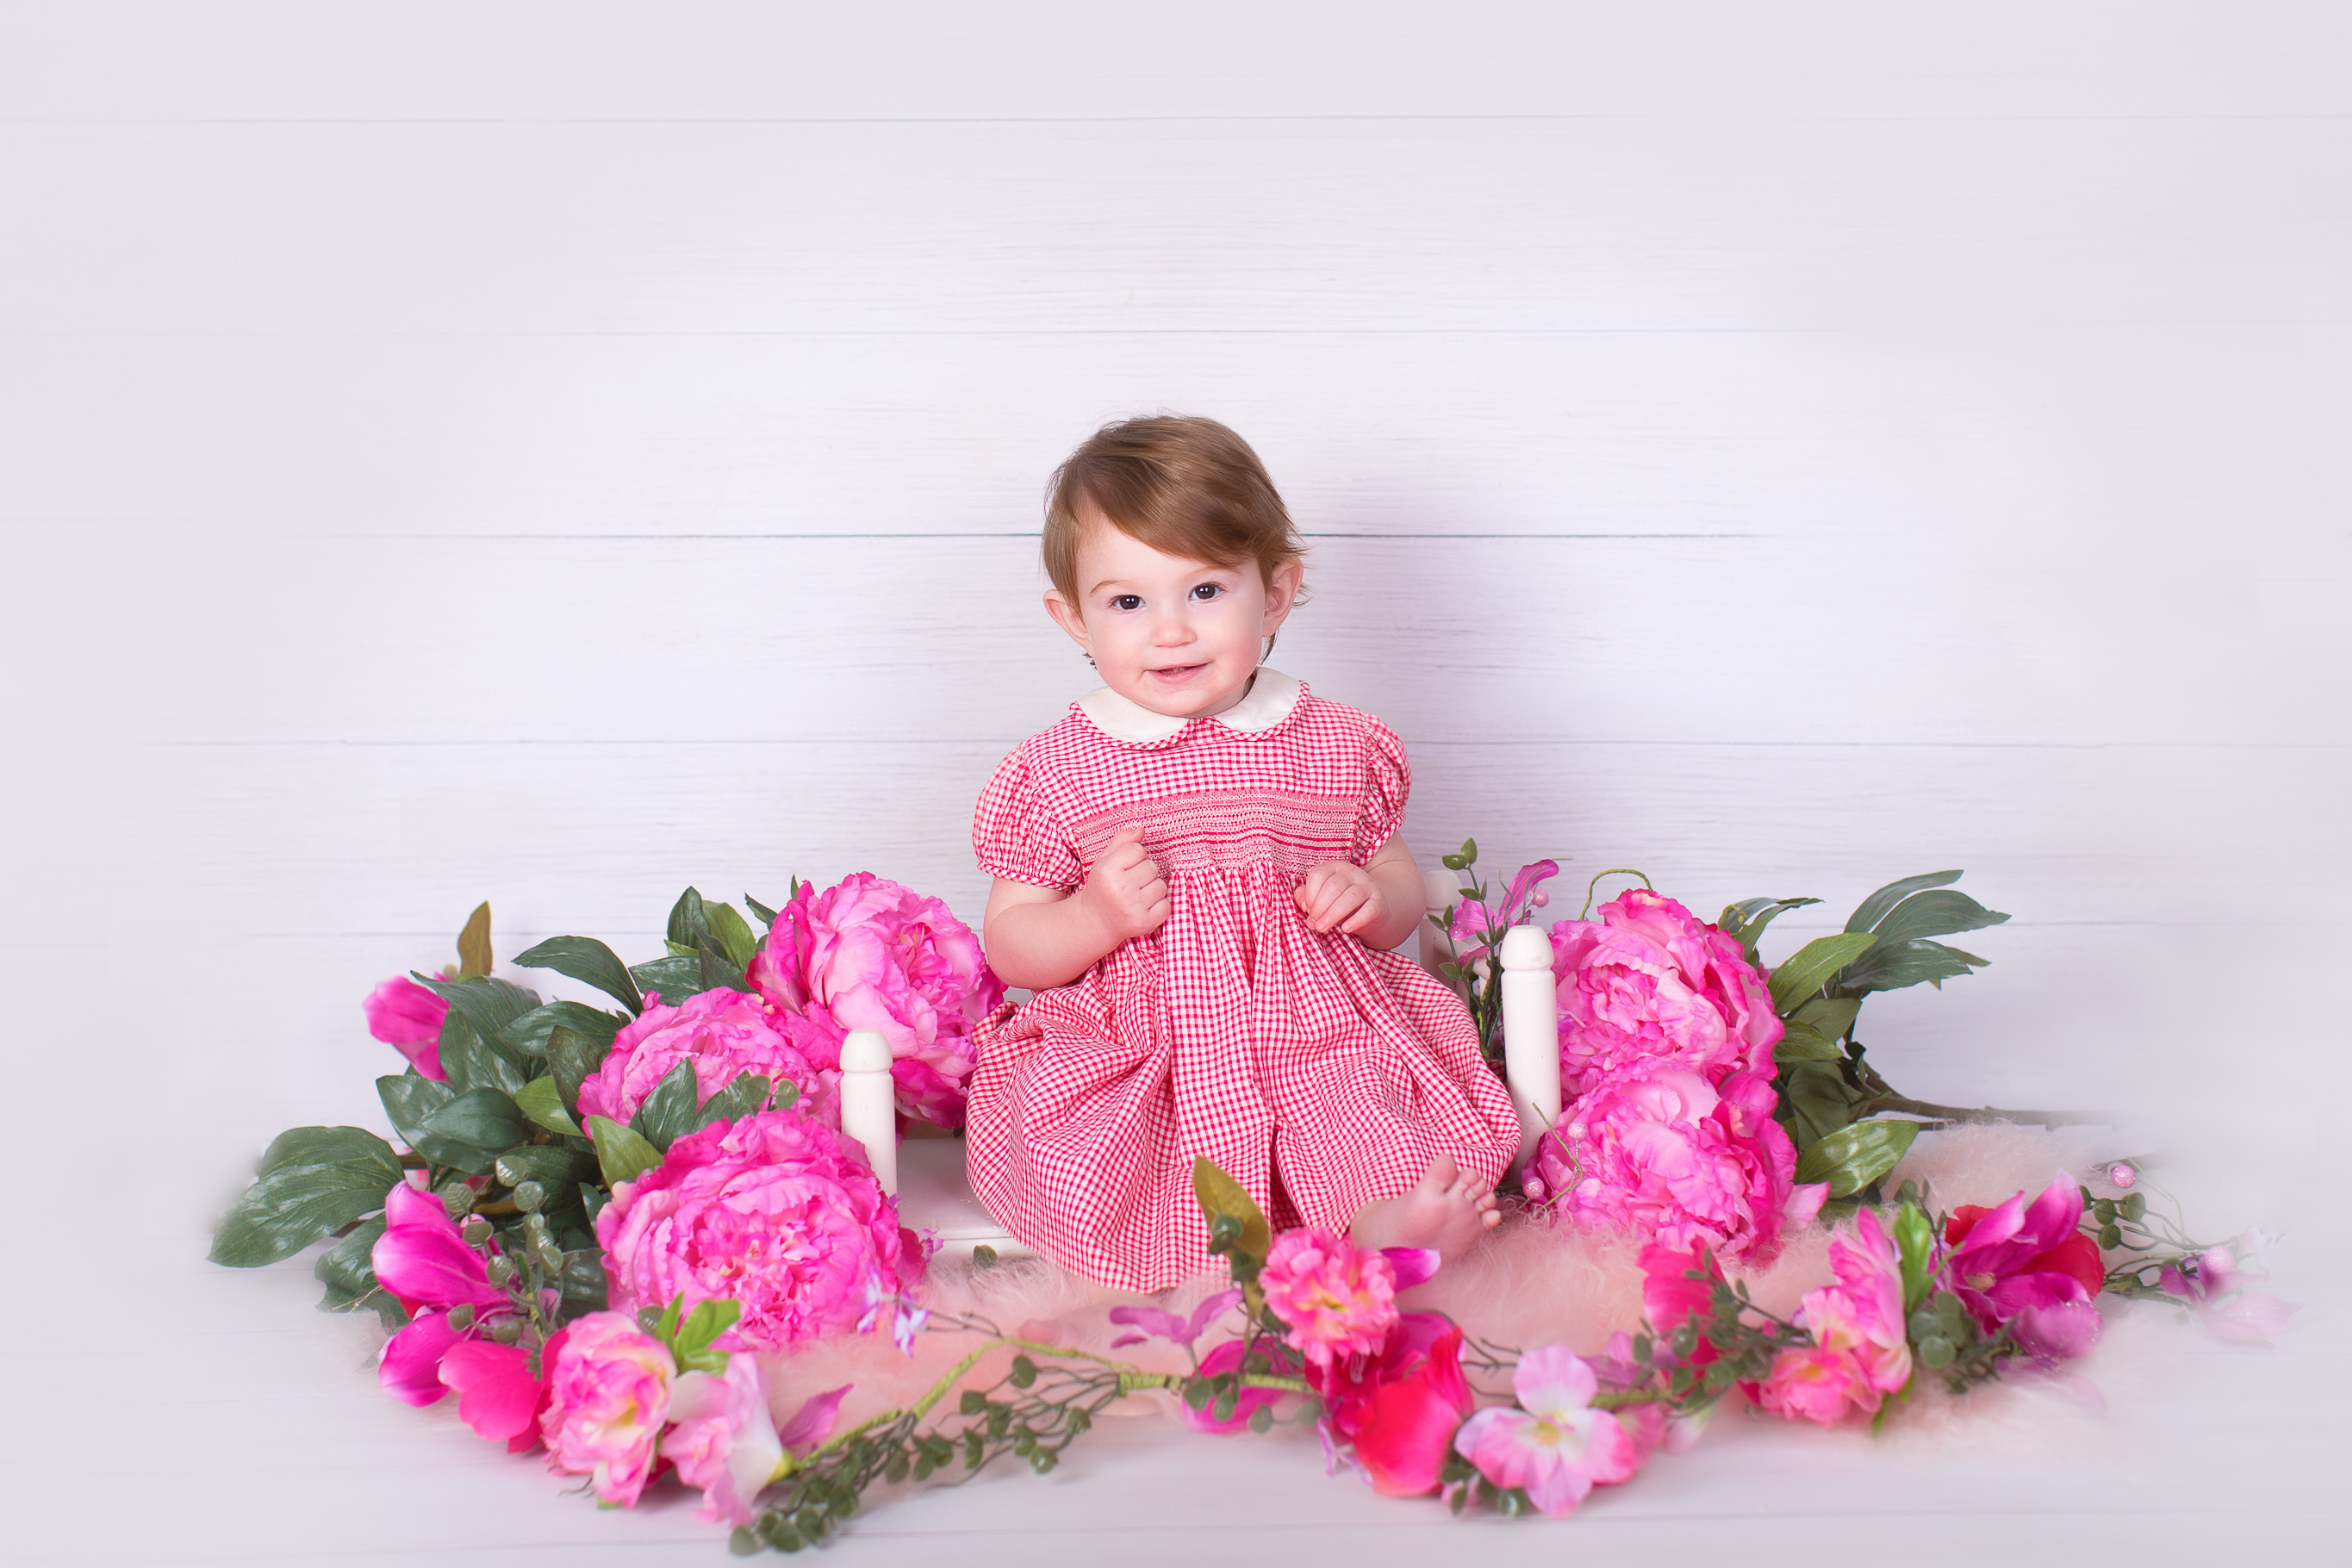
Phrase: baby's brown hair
x=1189 y=487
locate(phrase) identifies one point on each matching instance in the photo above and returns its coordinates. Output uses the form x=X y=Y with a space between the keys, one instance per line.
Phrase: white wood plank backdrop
x=556 y=453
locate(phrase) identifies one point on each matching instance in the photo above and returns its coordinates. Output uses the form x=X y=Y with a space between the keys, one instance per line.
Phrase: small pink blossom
x=2121 y=1176
x=404 y=1015
x=1655 y=1150
x=2212 y=1285
x=1651 y=982
x=778 y=1213
x=608 y=1398
x=1553 y=1443
x=724 y=1033
x=725 y=1443
x=497 y=1395
x=1472 y=921
x=871 y=954
x=1860 y=1351
x=1337 y=1299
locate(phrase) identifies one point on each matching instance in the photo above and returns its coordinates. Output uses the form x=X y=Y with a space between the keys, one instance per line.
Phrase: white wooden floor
x=555 y=453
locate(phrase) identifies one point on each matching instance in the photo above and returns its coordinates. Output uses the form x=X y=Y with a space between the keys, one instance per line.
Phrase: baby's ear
x=1065 y=615
x=1282 y=592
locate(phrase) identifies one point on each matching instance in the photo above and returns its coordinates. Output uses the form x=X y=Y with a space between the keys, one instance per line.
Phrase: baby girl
x=1198 y=872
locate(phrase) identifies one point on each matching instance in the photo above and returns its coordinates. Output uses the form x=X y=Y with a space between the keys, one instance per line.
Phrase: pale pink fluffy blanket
x=1529 y=1283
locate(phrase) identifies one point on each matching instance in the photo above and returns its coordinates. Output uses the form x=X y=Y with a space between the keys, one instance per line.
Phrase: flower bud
x=501 y=1270
x=461 y=1316
x=475 y=1232
x=529 y=1196
x=506 y=1330
x=2122 y=1177
x=457 y=1200
x=550 y=1257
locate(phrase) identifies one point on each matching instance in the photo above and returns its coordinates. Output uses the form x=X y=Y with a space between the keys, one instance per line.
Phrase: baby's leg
x=1447 y=1210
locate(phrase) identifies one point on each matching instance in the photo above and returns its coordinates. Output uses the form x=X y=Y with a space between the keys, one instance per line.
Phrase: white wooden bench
x=926 y=1174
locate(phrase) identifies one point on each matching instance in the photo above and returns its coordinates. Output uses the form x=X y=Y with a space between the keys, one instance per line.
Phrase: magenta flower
x=871 y=954
x=608 y=1398
x=497 y=1395
x=402 y=1014
x=2212 y=1285
x=777 y=1213
x=1473 y=920
x=1860 y=1351
x=423 y=1261
x=1159 y=1325
x=1655 y=1150
x=2009 y=1261
x=1650 y=981
x=724 y=1033
x=1553 y=1443
x=1337 y=1299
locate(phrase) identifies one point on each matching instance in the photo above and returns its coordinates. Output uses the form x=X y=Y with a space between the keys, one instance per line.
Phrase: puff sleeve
x=1014 y=832
x=1388 y=781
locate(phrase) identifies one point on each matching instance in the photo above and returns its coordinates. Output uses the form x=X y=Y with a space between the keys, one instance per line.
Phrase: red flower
x=1398 y=1413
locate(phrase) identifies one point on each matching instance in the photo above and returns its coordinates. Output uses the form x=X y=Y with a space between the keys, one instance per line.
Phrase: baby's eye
x=1127 y=602
x=1208 y=591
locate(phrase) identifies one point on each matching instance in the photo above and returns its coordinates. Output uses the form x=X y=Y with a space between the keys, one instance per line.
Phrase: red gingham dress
x=1319 y=1074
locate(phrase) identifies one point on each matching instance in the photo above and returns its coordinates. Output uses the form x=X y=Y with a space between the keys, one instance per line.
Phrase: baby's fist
x=1126 y=890
x=1340 y=896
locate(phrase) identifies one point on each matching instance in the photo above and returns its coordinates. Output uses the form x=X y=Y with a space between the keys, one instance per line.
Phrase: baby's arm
x=1041 y=937
x=1379 y=904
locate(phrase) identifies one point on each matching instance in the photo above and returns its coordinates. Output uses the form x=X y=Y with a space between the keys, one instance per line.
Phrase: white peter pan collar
x=1271 y=697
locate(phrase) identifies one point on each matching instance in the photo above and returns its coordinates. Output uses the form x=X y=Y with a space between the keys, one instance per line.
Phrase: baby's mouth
x=1176 y=671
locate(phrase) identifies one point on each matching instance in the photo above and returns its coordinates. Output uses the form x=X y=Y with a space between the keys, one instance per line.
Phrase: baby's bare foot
x=1447 y=1210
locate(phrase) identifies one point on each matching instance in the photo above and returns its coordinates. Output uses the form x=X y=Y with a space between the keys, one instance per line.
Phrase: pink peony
x=725 y=1034
x=1649 y=981
x=2016 y=1264
x=1337 y=1299
x=1860 y=1351
x=608 y=1397
x=870 y=954
x=1654 y=1149
x=1553 y=1443
x=778 y=1213
x=404 y=1013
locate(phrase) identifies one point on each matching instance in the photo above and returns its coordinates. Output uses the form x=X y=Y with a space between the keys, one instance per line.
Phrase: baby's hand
x=1342 y=897
x=1125 y=890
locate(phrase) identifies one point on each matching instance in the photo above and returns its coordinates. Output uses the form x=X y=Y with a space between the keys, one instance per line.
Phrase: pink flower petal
x=497 y=1395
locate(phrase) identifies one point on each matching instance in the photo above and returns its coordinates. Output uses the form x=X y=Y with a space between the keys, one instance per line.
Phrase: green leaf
x=709 y=1319
x=1872 y=910
x=1805 y=971
x=740 y=1098
x=588 y=961
x=294 y=1205
x=620 y=1154
x=674 y=978
x=583 y=1282
x=573 y=1057
x=688 y=923
x=1943 y=913
x=330 y=1146
x=767 y=916
x=1220 y=1195
x=474 y=942
x=1891 y=967
x=489 y=1004
x=668 y=1113
x=409 y=1098
x=485 y=1118
x=733 y=935
x=1745 y=920
x=473 y=1062
x=1852 y=1157
x=718 y=970
x=1831 y=1015
x=348 y=1268
x=1803 y=1043
x=542 y=1102
x=1818 y=1100
x=1915 y=1238
x=528 y=1033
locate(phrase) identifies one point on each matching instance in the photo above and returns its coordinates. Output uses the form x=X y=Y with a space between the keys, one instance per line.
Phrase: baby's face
x=1178 y=635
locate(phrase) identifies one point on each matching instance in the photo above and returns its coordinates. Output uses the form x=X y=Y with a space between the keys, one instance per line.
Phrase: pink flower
x=1657 y=1150
x=404 y=1013
x=1394 y=1412
x=497 y=1395
x=1860 y=1351
x=871 y=954
x=1670 y=1297
x=1553 y=1443
x=2121 y=1176
x=725 y=1034
x=1337 y=1299
x=777 y=1213
x=608 y=1397
x=1224 y=1357
x=2212 y=1284
x=726 y=1443
x=1473 y=920
x=1649 y=981
x=2015 y=1262
x=425 y=1263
